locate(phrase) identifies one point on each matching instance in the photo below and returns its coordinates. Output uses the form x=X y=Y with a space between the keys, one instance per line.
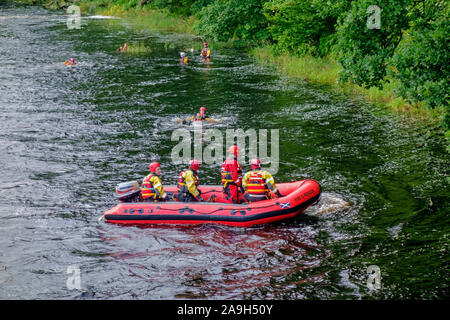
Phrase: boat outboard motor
x=128 y=191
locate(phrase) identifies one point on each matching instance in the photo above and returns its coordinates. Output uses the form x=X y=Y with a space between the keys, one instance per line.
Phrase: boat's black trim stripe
x=237 y=218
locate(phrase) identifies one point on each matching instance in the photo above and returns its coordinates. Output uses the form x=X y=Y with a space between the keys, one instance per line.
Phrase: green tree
x=182 y=7
x=306 y=26
x=364 y=50
x=421 y=61
x=227 y=19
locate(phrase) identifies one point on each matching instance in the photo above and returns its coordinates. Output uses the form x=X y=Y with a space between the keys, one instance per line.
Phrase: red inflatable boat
x=297 y=196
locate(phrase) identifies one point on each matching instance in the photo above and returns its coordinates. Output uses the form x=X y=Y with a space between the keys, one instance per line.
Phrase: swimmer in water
x=206 y=52
x=70 y=62
x=184 y=59
x=201 y=116
x=124 y=48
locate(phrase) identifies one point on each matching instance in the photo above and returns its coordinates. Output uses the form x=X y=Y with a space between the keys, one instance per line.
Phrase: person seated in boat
x=124 y=48
x=184 y=59
x=258 y=183
x=231 y=176
x=188 y=183
x=201 y=116
x=70 y=62
x=206 y=52
x=152 y=189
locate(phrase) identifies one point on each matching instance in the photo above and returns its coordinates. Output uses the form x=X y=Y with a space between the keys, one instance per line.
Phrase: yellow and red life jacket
x=206 y=52
x=201 y=118
x=152 y=187
x=259 y=182
x=256 y=184
x=188 y=182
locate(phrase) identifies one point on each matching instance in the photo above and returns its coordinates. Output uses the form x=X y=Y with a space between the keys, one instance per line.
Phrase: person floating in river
x=184 y=59
x=258 y=183
x=152 y=189
x=70 y=62
x=200 y=116
x=124 y=48
x=188 y=184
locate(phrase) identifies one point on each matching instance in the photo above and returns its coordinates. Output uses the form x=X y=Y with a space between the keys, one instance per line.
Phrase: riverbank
x=325 y=71
x=315 y=70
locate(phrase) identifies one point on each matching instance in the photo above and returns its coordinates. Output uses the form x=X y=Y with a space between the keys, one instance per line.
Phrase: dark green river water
x=69 y=135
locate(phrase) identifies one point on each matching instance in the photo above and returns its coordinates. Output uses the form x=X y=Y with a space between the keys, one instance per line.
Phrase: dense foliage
x=421 y=62
x=364 y=50
x=411 y=45
x=303 y=27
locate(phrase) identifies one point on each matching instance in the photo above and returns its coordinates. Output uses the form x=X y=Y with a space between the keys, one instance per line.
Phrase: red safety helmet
x=202 y=109
x=194 y=164
x=255 y=163
x=233 y=150
x=152 y=166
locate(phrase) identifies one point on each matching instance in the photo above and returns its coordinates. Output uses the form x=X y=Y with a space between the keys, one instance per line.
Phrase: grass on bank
x=137 y=48
x=325 y=71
